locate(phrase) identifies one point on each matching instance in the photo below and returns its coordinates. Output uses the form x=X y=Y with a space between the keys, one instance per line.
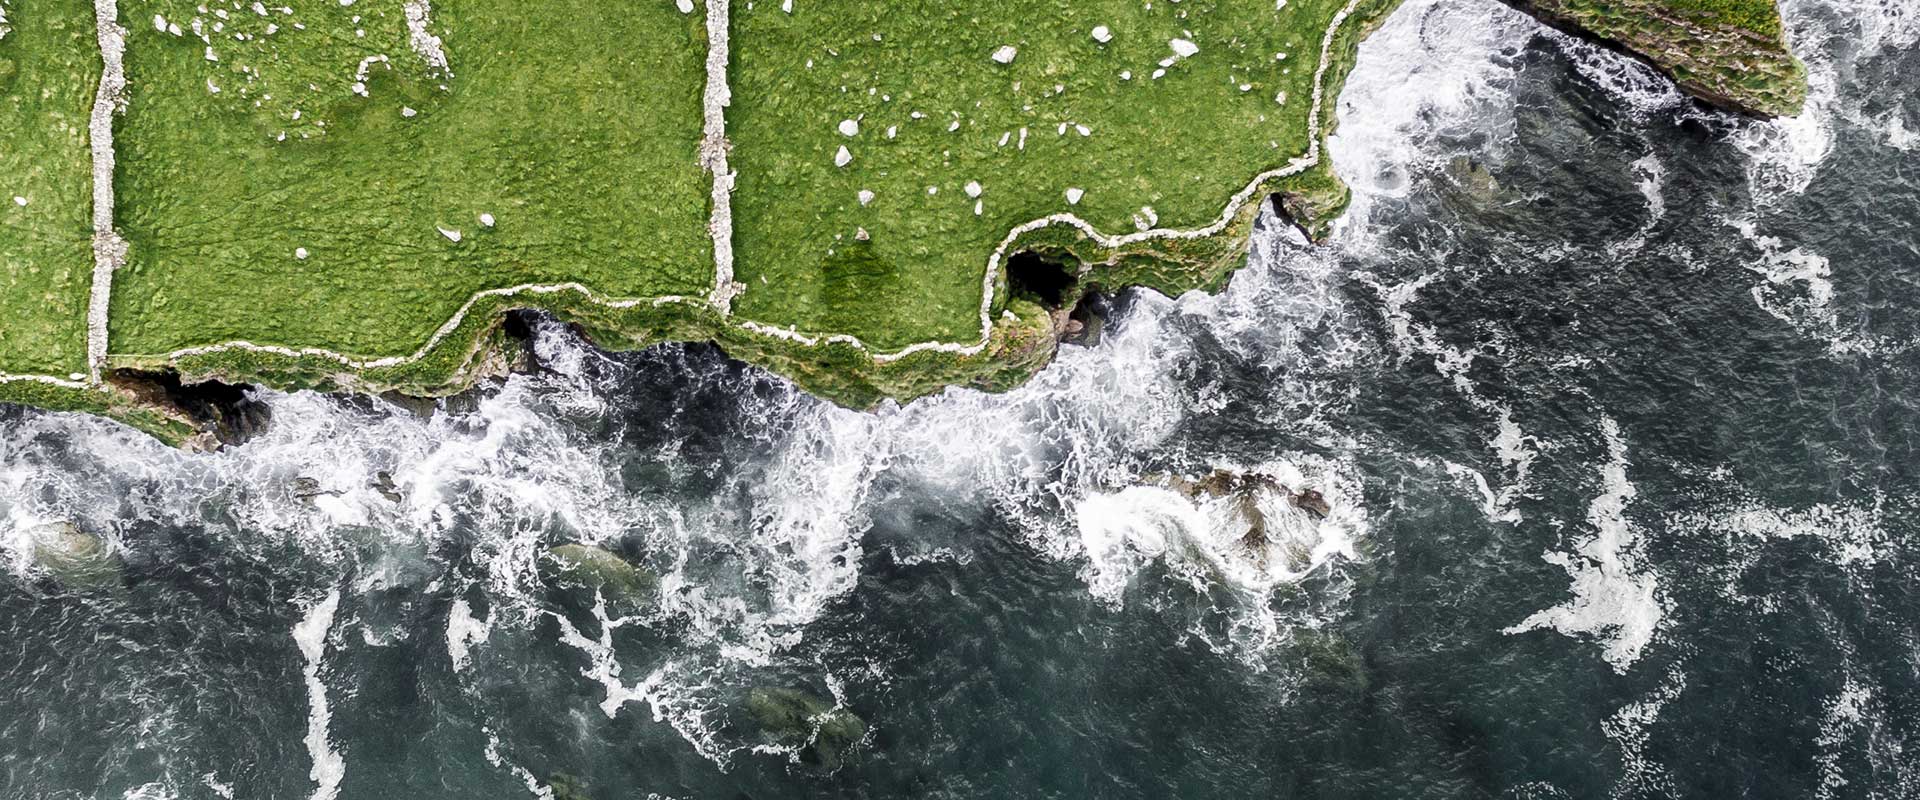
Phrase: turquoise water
x=1612 y=399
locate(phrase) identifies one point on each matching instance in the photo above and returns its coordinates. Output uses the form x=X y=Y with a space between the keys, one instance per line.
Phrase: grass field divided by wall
x=313 y=200
x=935 y=297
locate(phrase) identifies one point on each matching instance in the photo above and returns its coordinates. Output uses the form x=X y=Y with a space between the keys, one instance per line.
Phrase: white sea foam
x=1799 y=290
x=1616 y=599
x=464 y=630
x=220 y=788
x=311 y=635
x=1652 y=174
x=1630 y=727
x=1630 y=82
x=1853 y=536
x=1437 y=71
x=1835 y=39
x=498 y=758
x=1846 y=711
x=671 y=692
x=1202 y=539
x=153 y=790
x=1861 y=749
x=1510 y=443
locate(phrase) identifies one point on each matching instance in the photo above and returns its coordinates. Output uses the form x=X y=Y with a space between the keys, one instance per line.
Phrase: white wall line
x=723 y=273
x=46 y=379
x=445 y=330
x=109 y=250
x=713 y=156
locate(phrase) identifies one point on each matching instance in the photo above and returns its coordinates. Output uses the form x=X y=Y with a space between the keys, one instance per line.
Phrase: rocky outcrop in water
x=1246 y=489
x=568 y=787
x=1733 y=55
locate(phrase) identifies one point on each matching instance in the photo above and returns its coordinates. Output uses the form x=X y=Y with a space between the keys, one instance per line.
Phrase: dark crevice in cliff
x=1047 y=282
x=1079 y=311
x=1088 y=319
x=227 y=412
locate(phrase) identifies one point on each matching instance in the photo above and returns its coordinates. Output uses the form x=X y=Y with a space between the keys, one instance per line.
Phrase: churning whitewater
x=1579 y=462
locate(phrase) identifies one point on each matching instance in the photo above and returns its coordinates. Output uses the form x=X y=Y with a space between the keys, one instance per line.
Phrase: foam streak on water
x=311 y=635
x=1630 y=727
x=1616 y=596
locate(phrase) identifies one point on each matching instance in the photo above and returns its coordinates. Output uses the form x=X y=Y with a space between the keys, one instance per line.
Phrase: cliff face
x=1730 y=53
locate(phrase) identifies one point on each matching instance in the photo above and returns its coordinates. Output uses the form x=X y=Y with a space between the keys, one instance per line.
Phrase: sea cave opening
x=1046 y=281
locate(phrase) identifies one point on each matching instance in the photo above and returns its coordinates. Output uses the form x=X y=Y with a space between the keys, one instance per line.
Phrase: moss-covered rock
x=1730 y=53
x=1473 y=178
x=568 y=787
x=1330 y=662
x=76 y=560
x=586 y=569
x=825 y=733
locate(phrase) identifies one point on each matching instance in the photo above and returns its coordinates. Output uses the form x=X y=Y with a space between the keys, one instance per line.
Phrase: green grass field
x=935 y=112
x=574 y=129
x=49 y=65
x=289 y=179
x=337 y=193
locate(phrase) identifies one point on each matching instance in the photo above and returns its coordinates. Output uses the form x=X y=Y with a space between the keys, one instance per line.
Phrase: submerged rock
x=1329 y=661
x=1473 y=177
x=568 y=787
x=384 y=484
x=824 y=733
x=580 y=567
x=309 y=489
x=77 y=560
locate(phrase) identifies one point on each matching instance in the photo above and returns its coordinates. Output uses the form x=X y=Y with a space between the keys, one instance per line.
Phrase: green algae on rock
x=823 y=733
x=625 y=587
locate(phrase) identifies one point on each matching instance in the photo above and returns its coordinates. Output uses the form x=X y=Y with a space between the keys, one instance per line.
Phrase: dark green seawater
x=1613 y=400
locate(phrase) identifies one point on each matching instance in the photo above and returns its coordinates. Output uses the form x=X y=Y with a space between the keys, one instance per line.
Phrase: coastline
x=1012 y=346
